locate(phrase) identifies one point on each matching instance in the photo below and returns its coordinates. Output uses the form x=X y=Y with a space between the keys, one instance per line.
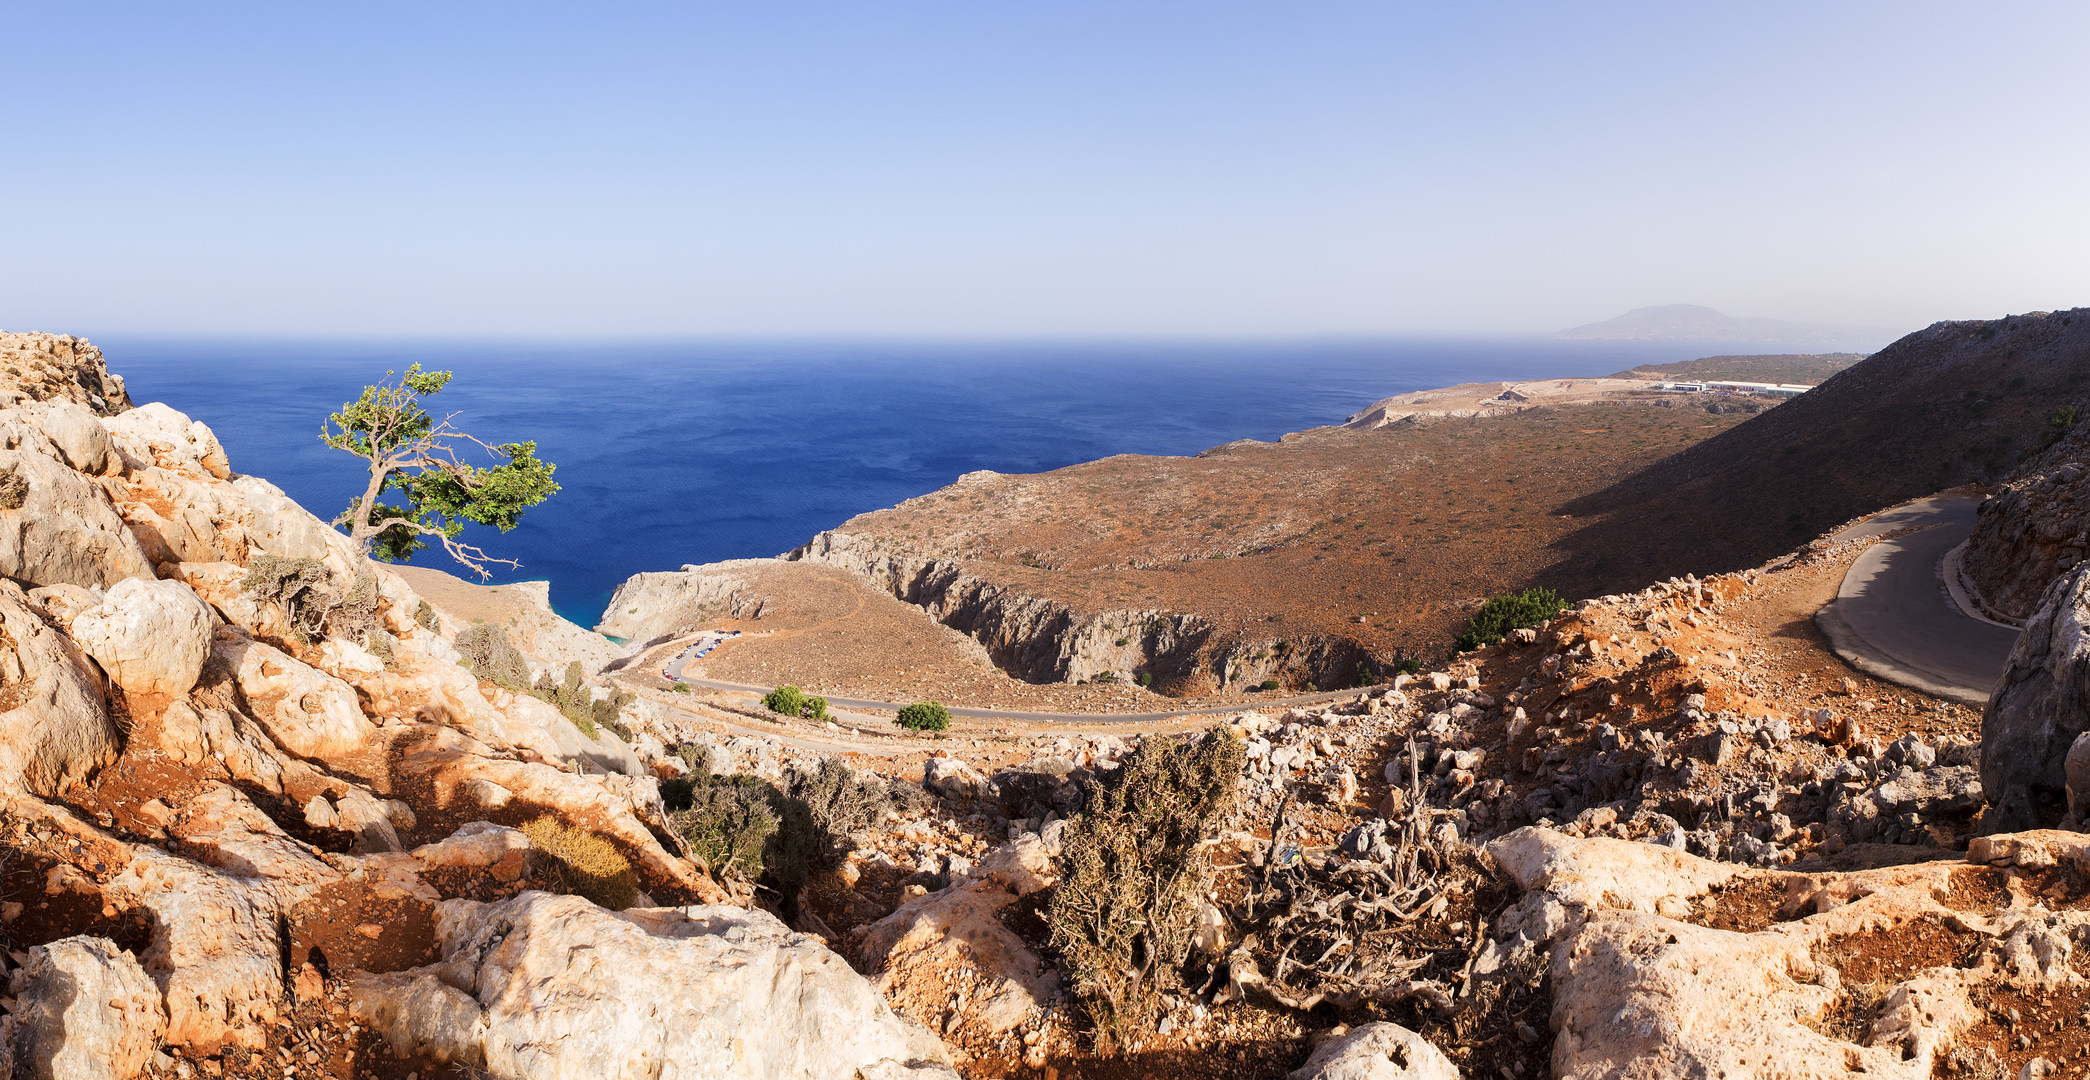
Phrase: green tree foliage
x=791 y=701
x=1133 y=874
x=417 y=457
x=925 y=716
x=1510 y=611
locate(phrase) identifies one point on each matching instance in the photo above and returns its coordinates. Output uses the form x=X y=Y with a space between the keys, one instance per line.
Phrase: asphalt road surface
x=674 y=673
x=1893 y=618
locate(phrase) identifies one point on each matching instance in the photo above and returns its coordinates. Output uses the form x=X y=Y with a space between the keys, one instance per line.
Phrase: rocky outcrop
x=85 y=1010
x=1861 y=973
x=55 y=729
x=554 y=988
x=2039 y=709
x=2036 y=527
x=58 y=527
x=151 y=637
x=1043 y=641
x=58 y=367
x=657 y=606
x=918 y=952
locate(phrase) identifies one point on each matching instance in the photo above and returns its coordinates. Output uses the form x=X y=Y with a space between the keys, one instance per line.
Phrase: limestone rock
x=64 y=530
x=157 y=434
x=555 y=988
x=77 y=434
x=54 y=727
x=150 y=636
x=215 y=951
x=953 y=779
x=915 y=950
x=1377 y=1051
x=85 y=1010
x=1613 y=873
x=2038 y=709
x=308 y=712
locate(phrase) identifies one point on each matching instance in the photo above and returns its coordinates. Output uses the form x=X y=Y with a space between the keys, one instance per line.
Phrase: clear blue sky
x=900 y=168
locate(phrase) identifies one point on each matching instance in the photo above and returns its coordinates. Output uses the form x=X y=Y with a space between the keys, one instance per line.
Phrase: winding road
x=673 y=671
x=1895 y=619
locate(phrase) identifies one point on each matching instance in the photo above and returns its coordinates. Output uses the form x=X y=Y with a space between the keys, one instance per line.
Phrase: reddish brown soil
x=1409 y=526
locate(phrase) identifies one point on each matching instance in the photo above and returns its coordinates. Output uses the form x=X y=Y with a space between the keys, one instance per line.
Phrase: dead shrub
x=1132 y=878
x=583 y=863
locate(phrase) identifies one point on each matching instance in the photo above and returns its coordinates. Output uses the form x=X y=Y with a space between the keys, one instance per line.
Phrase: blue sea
x=688 y=452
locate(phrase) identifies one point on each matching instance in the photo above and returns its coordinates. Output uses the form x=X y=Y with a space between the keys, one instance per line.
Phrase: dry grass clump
x=490 y=655
x=583 y=863
x=1133 y=875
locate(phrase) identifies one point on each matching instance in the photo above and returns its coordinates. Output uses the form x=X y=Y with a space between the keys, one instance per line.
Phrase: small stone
x=371 y=931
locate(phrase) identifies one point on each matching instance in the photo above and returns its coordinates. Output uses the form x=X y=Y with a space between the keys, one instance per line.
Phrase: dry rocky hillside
x=350 y=830
x=1959 y=402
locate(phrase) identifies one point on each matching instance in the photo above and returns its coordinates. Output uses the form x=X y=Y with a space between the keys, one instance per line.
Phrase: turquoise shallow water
x=685 y=452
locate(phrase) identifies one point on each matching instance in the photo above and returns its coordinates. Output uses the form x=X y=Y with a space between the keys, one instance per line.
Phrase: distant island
x=1692 y=322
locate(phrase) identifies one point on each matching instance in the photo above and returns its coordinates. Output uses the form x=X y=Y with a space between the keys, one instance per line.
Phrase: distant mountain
x=1690 y=322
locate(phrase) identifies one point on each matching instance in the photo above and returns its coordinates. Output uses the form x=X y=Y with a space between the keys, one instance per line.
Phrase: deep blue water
x=673 y=453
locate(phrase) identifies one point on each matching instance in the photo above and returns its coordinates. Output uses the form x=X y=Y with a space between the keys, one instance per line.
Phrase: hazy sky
x=1204 y=168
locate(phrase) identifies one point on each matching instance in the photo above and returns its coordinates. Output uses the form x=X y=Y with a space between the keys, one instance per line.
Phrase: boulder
x=953 y=779
x=77 y=434
x=55 y=729
x=915 y=951
x=308 y=712
x=150 y=636
x=555 y=988
x=216 y=954
x=2038 y=709
x=61 y=527
x=85 y=1010
x=1377 y=1051
x=158 y=434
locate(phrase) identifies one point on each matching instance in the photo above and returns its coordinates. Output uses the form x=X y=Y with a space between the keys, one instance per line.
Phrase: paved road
x=674 y=673
x=1893 y=618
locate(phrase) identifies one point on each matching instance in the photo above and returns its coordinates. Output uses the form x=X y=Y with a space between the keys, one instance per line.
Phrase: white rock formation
x=150 y=636
x=555 y=988
x=54 y=727
x=85 y=1010
x=916 y=951
x=1377 y=1051
x=64 y=530
x=77 y=434
x=312 y=714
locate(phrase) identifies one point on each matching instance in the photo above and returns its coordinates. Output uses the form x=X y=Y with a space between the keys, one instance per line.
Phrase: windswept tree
x=421 y=460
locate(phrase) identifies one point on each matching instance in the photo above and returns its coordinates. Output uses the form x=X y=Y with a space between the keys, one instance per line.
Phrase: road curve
x=1893 y=617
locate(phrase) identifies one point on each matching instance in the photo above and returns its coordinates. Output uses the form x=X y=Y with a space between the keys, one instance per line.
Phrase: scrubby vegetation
x=582 y=863
x=791 y=701
x=578 y=702
x=491 y=656
x=1133 y=877
x=1510 y=611
x=313 y=606
x=925 y=716
x=14 y=490
x=778 y=836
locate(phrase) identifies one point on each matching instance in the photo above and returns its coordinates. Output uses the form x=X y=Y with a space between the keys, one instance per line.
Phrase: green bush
x=1146 y=678
x=1269 y=684
x=491 y=656
x=1133 y=874
x=925 y=716
x=791 y=701
x=578 y=702
x=1511 y=611
x=728 y=820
